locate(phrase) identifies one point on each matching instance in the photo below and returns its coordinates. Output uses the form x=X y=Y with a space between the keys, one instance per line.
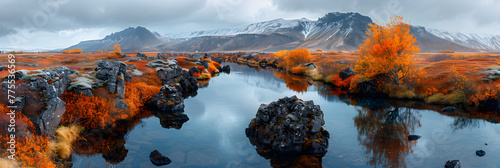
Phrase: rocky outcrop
x=346 y=73
x=178 y=85
x=171 y=120
x=50 y=117
x=225 y=68
x=289 y=126
x=161 y=56
x=112 y=75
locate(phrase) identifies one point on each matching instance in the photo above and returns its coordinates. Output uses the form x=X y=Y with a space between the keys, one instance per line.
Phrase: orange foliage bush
x=280 y=55
x=387 y=50
x=31 y=150
x=298 y=70
x=297 y=57
x=72 y=51
x=115 y=54
x=88 y=111
x=137 y=94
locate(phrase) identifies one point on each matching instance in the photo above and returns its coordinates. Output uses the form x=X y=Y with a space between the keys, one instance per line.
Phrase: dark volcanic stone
x=452 y=164
x=449 y=109
x=289 y=126
x=346 y=73
x=413 y=137
x=480 y=153
x=159 y=159
x=226 y=69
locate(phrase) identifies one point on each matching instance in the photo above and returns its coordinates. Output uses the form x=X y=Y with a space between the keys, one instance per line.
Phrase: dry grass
x=65 y=136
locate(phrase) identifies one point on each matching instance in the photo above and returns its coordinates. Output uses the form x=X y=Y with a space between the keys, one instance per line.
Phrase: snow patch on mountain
x=473 y=40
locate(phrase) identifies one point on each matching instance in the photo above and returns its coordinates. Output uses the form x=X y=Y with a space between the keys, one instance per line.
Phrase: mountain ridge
x=333 y=31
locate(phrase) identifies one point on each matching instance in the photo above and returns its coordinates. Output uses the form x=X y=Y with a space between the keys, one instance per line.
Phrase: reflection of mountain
x=256 y=76
x=383 y=133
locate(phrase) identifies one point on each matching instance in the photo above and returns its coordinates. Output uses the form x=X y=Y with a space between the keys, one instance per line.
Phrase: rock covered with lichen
x=289 y=126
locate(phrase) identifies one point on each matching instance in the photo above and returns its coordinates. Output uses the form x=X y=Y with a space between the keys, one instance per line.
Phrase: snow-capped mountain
x=334 y=31
x=271 y=26
x=472 y=40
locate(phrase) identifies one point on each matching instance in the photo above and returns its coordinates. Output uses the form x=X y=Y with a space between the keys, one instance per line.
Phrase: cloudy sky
x=51 y=24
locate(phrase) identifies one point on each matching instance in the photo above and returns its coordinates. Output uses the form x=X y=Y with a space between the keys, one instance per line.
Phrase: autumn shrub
x=31 y=150
x=280 y=55
x=297 y=57
x=72 y=51
x=150 y=78
x=300 y=70
x=88 y=111
x=136 y=95
x=387 y=50
x=115 y=54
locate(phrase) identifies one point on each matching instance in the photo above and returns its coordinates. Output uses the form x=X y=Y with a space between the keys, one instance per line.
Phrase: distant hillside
x=130 y=39
x=334 y=31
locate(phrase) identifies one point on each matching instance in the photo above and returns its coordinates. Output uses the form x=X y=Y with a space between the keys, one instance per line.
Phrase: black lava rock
x=289 y=126
x=159 y=159
x=450 y=109
x=452 y=164
x=413 y=137
x=480 y=153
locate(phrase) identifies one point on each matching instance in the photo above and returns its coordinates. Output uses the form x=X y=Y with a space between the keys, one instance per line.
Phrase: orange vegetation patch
x=87 y=111
x=31 y=150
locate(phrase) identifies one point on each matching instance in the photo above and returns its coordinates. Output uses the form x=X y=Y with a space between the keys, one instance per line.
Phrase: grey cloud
x=74 y=14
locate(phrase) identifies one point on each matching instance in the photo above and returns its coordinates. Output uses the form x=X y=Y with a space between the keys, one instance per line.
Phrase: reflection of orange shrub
x=337 y=81
x=293 y=82
x=298 y=70
x=72 y=51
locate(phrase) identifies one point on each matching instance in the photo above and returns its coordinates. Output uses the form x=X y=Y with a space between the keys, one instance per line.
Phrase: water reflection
x=171 y=119
x=109 y=142
x=282 y=160
x=383 y=133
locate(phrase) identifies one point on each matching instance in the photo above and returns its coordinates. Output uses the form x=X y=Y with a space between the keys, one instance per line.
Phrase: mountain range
x=334 y=31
